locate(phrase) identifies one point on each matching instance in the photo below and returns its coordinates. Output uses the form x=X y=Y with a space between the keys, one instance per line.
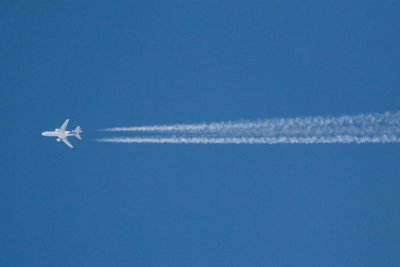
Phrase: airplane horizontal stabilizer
x=77 y=132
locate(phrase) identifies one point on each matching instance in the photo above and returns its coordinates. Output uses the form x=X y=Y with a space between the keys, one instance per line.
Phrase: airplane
x=62 y=134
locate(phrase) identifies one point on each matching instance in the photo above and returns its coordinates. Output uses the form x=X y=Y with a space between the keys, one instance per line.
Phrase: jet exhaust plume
x=362 y=128
x=341 y=139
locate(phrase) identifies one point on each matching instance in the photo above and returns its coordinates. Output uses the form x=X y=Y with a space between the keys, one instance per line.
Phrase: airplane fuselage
x=57 y=133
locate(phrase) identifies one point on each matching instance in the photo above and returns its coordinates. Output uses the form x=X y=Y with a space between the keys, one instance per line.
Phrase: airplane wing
x=65 y=124
x=65 y=140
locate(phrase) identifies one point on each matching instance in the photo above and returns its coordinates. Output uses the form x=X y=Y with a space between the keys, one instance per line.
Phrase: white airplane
x=62 y=134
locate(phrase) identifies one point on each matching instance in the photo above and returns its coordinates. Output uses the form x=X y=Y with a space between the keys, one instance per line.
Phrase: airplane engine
x=58 y=139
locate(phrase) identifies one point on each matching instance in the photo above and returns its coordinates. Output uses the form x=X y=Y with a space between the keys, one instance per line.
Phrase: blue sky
x=132 y=63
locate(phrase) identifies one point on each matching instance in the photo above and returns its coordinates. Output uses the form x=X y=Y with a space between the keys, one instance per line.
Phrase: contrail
x=366 y=122
x=362 y=128
x=341 y=139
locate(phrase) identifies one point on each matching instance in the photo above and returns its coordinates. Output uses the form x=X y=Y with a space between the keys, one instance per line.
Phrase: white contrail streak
x=341 y=139
x=362 y=128
x=362 y=123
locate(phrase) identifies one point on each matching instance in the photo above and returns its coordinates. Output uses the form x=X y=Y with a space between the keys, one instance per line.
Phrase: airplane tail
x=77 y=132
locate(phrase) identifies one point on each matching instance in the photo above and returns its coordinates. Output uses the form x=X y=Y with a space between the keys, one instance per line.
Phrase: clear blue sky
x=104 y=65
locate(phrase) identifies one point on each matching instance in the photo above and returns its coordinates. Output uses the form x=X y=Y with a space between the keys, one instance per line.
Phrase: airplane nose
x=42 y=133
